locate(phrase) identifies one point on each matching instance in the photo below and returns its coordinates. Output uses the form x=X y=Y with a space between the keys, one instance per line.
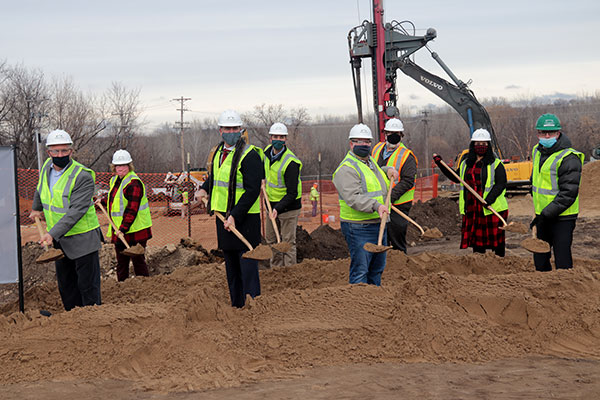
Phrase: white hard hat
x=360 y=131
x=278 y=129
x=481 y=135
x=230 y=118
x=58 y=137
x=394 y=125
x=121 y=157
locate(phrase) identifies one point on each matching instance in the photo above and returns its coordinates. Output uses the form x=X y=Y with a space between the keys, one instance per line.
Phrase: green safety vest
x=119 y=204
x=218 y=197
x=545 y=179
x=57 y=203
x=274 y=174
x=499 y=205
x=397 y=160
x=369 y=185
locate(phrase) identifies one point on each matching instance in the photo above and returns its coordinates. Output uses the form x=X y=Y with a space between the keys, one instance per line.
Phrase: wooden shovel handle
x=40 y=231
x=113 y=225
x=270 y=211
x=383 y=221
x=233 y=229
x=473 y=192
x=409 y=219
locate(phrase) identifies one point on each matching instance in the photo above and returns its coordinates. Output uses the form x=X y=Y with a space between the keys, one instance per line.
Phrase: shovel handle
x=233 y=229
x=409 y=219
x=474 y=193
x=40 y=231
x=113 y=225
x=270 y=211
x=383 y=221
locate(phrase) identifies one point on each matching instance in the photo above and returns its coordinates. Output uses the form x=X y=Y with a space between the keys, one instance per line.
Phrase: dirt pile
x=440 y=212
x=589 y=190
x=324 y=243
x=177 y=332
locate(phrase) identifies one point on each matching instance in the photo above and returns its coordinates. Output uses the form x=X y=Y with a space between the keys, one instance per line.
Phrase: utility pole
x=182 y=127
x=122 y=126
x=35 y=127
x=425 y=121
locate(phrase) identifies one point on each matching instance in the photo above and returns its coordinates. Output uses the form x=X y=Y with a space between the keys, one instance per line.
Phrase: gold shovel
x=261 y=252
x=512 y=227
x=137 y=250
x=280 y=246
x=535 y=245
x=379 y=248
x=433 y=233
x=49 y=254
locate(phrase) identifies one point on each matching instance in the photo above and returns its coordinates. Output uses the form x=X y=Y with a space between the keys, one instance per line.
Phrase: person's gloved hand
x=535 y=221
x=437 y=158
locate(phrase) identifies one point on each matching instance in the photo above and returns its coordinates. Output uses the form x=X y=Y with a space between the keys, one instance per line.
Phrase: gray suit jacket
x=74 y=246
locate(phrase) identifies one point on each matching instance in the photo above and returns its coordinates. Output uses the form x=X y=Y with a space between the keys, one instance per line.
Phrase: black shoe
x=45 y=313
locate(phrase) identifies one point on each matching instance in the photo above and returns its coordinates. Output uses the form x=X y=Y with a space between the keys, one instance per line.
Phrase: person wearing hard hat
x=555 y=181
x=65 y=193
x=284 y=190
x=129 y=209
x=393 y=153
x=485 y=173
x=362 y=187
x=314 y=198
x=233 y=189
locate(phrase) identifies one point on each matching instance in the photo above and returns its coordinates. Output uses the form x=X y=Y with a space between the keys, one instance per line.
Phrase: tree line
x=99 y=124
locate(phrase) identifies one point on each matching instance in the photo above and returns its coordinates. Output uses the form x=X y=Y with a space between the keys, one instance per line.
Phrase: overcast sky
x=237 y=54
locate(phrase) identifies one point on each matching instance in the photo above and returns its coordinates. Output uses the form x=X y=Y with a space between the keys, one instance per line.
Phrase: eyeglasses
x=548 y=133
x=64 y=152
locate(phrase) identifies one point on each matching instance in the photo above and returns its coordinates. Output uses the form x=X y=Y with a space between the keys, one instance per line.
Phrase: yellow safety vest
x=117 y=208
x=397 y=160
x=500 y=204
x=275 y=172
x=314 y=194
x=545 y=179
x=369 y=185
x=218 y=198
x=57 y=203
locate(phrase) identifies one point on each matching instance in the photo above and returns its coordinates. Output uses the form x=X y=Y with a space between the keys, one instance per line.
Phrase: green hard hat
x=548 y=122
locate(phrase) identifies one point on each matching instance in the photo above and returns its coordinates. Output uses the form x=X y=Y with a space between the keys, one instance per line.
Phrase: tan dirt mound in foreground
x=177 y=332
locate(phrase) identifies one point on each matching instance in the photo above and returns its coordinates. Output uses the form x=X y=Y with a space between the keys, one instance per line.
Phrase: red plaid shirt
x=478 y=229
x=133 y=192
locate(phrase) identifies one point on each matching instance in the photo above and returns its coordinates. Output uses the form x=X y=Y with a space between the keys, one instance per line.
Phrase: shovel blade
x=535 y=245
x=136 y=250
x=282 y=247
x=433 y=233
x=260 y=253
x=516 y=227
x=376 y=248
x=50 y=255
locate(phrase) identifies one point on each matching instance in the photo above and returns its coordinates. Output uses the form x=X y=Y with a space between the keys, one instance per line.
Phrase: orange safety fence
x=166 y=203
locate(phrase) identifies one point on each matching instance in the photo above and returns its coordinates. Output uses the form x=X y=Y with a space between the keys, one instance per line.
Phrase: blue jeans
x=365 y=267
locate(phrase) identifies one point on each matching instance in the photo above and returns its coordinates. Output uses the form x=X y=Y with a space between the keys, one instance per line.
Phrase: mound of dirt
x=439 y=212
x=324 y=243
x=589 y=190
x=177 y=332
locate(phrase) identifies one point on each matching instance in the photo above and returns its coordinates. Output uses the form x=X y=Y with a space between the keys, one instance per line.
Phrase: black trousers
x=397 y=227
x=79 y=280
x=242 y=277
x=559 y=234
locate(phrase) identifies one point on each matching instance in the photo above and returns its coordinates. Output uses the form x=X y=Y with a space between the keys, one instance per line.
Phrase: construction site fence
x=166 y=203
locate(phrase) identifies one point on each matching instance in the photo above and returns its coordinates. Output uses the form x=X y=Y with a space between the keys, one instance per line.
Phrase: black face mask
x=61 y=162
x=362 y=150
x=393 y=138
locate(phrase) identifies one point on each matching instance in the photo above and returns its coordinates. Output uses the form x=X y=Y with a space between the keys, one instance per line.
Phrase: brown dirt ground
x=445 y=323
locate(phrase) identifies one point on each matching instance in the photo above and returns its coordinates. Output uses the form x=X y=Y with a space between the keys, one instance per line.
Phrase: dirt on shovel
x=261 y=252
x=433 y=233
x=282 y=247
x=137 y=250
x=49 y=255
x=375 y=248
x=516 y=227
x=535 y=245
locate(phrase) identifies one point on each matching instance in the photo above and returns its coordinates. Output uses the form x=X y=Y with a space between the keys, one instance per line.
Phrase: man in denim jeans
x=362 y=187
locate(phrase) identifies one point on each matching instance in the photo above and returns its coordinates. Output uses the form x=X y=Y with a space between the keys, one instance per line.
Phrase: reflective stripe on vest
x=274 y=175
x=219 y=192
x=370 y=185
x=397 y=160
x=117 y=208
x=56 y=203
x=500 y=204
x=544 y=185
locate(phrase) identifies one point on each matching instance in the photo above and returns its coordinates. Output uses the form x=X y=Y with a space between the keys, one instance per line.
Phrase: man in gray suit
x=64 y=195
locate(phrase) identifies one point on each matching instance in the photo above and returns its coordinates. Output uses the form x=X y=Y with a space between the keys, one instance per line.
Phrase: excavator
x=390 y=45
